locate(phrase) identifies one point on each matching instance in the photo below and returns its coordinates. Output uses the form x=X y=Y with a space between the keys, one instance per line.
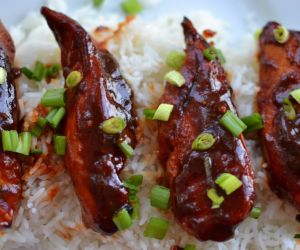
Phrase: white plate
x=232 y=11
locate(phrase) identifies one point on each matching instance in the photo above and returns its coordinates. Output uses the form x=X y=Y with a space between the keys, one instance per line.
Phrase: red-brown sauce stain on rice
x=198 y=107
x=279 y=74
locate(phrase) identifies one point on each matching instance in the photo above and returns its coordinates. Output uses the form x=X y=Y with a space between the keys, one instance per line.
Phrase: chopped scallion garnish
x=232 y=123
x=98 y=3
x=60 y=143
x=160 y=197
x=156 y=228
x=135 y=203
x=175 y=59
x=149 y=113
x=163 y=112
x=255 y=212
x=114 y=125
x=289 y=110
x=175 y=78
x=55 y=116
x=73 y=79
x=24 y=143
x=296 y=95
x=228 y=182
x=122 y=219
x=41 y=122
x=257 y=33
x=54 y=98
x=37 y=131
x=213 y=53
x=126 y=149
x=10 y=140
x=131 y=7
x=216 y=199
x=3 y=75
x=281 y=34
x=189 y=247
x=53 y=70
x=253 y=122
x=203 y=141
x=40 y=71
x=135 y=180
x=36 y=151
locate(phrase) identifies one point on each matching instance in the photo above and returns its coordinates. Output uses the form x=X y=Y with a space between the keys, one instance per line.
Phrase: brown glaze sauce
x=279 y=75
x=10 y=170
x=93 y=158
x=198 y=107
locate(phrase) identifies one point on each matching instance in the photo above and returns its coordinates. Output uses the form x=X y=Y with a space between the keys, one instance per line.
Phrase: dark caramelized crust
x=280 y=74
x=198 y=107
x=10 y=168
x=93 y=158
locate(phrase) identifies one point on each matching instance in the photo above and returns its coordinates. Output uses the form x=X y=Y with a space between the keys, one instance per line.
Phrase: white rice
x=56 y=223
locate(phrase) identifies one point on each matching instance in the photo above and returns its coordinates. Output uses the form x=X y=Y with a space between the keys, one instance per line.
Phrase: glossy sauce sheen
x=93 y=158
x=198 y=107
x=10 y=168
x=279 y=75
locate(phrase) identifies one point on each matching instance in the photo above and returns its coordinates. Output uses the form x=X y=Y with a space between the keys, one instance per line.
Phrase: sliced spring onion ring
x=126 y=149
x=213 y=53
x=55 y=116
x=149 y=113
x=60 y=143
x=253 y=122
x=24 y=143
x=73 y=79
x=163 y=112
x=289 y=110
x=175 y=78
x=216 y=199
x=160 y=197
x=135 y=180
x=232 y=123
x=114 y=125
x=122 y=219
x=156 y=228
x=131 y=7
x=175 y=59
x=255 y=212
x=54 y=98
x=98 y=3
x=3 y=75
x=189 y=247
x=41 y=122
x=203 y=142
x=36 y=151
x=296 y=95
x=10 y=140
x=228 y=182
x=281 y=34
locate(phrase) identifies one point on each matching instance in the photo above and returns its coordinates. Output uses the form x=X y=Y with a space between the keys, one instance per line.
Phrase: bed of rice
x=49 y=217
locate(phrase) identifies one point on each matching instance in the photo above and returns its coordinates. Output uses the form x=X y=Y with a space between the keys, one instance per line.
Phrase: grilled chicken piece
x=93 y=158
x=279 y=75
x=198 y=107
x=10 y=168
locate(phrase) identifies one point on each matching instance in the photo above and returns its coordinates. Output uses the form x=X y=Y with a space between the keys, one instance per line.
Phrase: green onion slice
x=228 y=182
x=232 y=123
x=216 y=199
x=73 y=79
x=281 y=34
x=126 y=149
x=156 y=228
x=175 y=59
x=135 y=203
x=60 y=143
x=53 y=70
x=149 y=113
x=213 y=53
x=55 y=116
x=257 y=33
x=37 y=131
x=135 y=180
x=289 y=110
x=54 y=98
x=203 y=141
x=3 y=75
x=163 y=112
x=41 y=122
x=24 y=143
x=190 y=247
x=114 y=125
x=175 y=78
x=122 y=219
x=39 y=71
x=98 y=3
x=296 y=95
x=10 y=140
x=255 y=212
x=36 y=151
x=160 y=197
x=253 y=122
x=131 y=7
